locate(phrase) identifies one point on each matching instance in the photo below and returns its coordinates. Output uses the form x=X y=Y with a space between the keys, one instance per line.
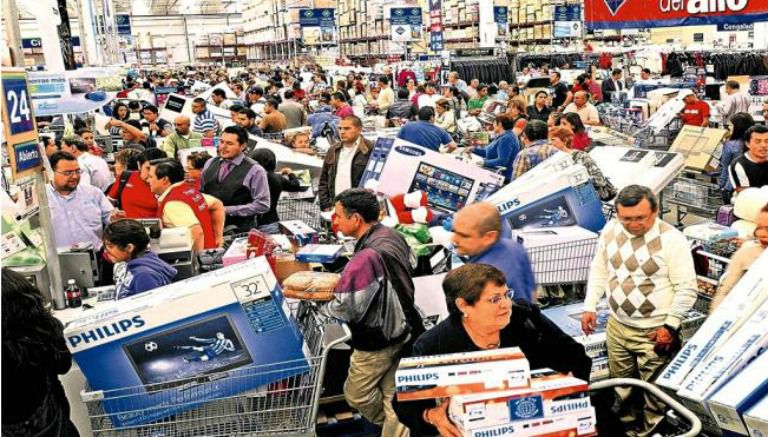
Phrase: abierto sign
x=617 y=14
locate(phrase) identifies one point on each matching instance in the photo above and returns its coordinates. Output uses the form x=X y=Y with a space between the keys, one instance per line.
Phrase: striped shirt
x=204 y=121
x=532 y=156
x=745 y=172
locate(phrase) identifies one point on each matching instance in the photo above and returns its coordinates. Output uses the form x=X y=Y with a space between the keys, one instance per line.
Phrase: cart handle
x=675 y=405
x=334 y=334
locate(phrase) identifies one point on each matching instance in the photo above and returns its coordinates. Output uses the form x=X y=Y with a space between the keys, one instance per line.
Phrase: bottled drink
x=72 y=294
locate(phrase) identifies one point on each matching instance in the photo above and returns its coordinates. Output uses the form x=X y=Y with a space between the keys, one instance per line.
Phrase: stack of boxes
x=494 y=392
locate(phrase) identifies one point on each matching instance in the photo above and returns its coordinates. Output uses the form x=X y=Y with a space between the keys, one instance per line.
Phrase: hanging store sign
x=37 y=43
x=318 y=26
x=436 y=36
x=19 y=124
x=617 y=14
x=501 y=18
x=567 y=13
x=405 y=24
x=123 y=23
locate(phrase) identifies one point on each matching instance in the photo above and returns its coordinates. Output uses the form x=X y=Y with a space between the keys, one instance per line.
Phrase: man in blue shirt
x=477 y=236
x=502 y=151
x=425 y=133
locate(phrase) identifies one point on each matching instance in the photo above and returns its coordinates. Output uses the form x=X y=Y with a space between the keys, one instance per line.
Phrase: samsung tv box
x=629 y=165
x=174 y=348
x=739 y=395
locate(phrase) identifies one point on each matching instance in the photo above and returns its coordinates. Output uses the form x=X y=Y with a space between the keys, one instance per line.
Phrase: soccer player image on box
x=212 y=349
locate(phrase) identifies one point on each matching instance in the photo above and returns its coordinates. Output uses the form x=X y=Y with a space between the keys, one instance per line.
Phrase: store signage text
x=622 y=14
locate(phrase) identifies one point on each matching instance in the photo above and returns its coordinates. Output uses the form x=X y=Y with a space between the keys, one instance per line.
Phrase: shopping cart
x=286 y=407
x=693 y=196
x=306 y=210
x=679 y=420
x=562 y=270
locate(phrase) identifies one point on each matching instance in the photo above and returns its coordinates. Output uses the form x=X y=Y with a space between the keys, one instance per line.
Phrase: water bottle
x=72 y=294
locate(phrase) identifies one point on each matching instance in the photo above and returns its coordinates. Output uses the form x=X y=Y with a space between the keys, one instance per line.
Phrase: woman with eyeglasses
x=482 y=315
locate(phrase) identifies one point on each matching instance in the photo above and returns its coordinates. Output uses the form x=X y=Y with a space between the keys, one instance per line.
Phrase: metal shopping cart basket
x=693 y=196
x=286 y=407
x=562 y=270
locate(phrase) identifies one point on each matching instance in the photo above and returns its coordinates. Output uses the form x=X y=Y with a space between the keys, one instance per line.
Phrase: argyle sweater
x=649 y=281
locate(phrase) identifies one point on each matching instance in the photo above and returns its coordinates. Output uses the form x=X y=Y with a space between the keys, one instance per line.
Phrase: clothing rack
x=488 y=70
x=726 y=63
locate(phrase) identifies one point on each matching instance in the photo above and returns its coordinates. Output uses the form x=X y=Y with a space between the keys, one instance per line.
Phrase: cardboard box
x=194 y=336
x=299 y=232
x=286 y=265
x=739 y=395
x=748 y=341
x=448 y=375
x=319 y=253
x=402 y=167
x=570 y=425
x=697 y=144
x=756 y=419
x=748 y=295
x=628 y=165
x=550 y=394
x=566 y=198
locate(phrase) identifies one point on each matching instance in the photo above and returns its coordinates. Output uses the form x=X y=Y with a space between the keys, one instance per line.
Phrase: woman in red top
x=581 y=140
x=136 y=200
x=195 y=163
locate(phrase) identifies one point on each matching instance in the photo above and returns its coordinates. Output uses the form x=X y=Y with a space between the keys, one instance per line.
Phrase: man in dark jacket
x=375 y=295
x=403 y=108
x=345 y=162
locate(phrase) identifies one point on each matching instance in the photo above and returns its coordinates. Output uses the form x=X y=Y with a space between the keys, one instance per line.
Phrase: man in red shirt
x=339 y=103
x=695 y=112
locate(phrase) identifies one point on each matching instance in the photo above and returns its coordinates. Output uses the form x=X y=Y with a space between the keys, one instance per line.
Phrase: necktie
x=226 y=167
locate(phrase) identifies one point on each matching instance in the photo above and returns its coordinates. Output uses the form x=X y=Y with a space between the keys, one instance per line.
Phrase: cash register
x=172 y=245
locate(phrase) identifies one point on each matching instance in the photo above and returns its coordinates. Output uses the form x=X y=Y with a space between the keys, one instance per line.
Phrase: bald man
x=587 y=111
x=181 y=137
x=477 y=236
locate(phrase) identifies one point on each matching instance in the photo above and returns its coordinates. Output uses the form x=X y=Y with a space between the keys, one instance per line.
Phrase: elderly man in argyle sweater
x=644 y=266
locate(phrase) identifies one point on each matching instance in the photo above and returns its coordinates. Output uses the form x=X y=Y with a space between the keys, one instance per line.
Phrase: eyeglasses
x=497 y=299
x=69 y=173
x=639 y=219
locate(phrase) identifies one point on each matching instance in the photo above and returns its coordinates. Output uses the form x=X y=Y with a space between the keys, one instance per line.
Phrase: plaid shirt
x=532 y=156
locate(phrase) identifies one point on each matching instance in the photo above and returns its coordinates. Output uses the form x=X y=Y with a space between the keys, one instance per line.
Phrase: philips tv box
x=565 y=198
x=743 y=391
x=177 y=347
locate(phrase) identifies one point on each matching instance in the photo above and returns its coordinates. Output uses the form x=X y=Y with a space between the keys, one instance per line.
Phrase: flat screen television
x=446 y=190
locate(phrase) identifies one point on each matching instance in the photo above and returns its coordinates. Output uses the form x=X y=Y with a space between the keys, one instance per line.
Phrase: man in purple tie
x=238 y=181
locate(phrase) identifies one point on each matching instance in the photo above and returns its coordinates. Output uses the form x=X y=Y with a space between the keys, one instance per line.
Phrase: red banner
x=624 y=14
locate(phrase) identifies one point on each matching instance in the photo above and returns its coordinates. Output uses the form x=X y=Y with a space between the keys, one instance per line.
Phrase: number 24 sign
x=17 y=104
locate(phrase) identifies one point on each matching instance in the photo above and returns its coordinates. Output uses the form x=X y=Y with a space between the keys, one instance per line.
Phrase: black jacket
x=609 y=87
x=326 y=189
x=543 y=343
x=402 y=109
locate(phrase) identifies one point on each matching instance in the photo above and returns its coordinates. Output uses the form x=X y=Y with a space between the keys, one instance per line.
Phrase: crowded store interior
x=465 y=218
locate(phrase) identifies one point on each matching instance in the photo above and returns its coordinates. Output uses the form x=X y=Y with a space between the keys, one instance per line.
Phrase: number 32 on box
x=18 y=105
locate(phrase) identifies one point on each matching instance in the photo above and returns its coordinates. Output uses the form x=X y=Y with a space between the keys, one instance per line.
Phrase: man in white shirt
x=587 y=111
x=386 y=95
x=734 y=102
x=219 y=98
x=472 y=89
x=454 y=80
x=429 y=98
x=95 y=170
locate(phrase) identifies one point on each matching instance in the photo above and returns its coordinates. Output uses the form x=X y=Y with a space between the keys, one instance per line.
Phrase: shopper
x=477 y=235
x=256 y=99
x=446 y=118
x=472 y=90
x=340 y=105
x=645 y=267
x=153 y=124
x=475 y=105
x=219 y=99
x=181 y=138
x=614 y=84
x=95 y=170
x=204 y=123
x=562 y=139
x=426 y=134
x=695 y=112
x=536 y=149
x=539 y=110
x=751 y=168
x=581 y=106
x=130 y=193
x=732 y=149
x=402 y=109
x=561 y=96
x=273 y=120
x=323 y=116
x=429 y=97
x=482 y=316
x=734 y=102
x=246 y=119
x=379 y=273
x=386 y=95
x=86 y=135
x=295 y=115
x=581 y=139
x=344 y=163
x=195 y=164
x=236 y=180
x=182 y=206
x=126 y=241
x=34 y=354
x=500 y=154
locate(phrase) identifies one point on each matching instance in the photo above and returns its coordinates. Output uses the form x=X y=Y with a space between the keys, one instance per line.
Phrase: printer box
x=550 y=394
x=236 y=252
x=748 y=295
x=440 y=376
x=449 y=183
x=159 y=353
x=757 y=419
x=299 y=232
x=566 y=198
x=749 y=340
x=581 y=424
x=739 y=395
x=319 y=253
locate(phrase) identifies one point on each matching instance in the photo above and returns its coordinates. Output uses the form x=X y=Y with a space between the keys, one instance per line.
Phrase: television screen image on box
x=543 y=214
x=445 y=190
x=166 y=359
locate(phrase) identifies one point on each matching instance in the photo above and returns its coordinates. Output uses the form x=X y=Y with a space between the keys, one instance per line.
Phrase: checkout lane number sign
x=19 y=124
x=17 y=104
